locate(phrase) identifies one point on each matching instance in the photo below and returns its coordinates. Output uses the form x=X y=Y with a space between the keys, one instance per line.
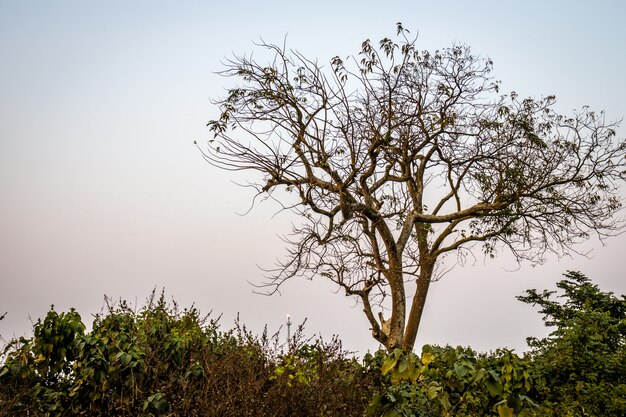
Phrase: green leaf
x=480 y=374
x=494 y=387
x=374 y=405
x=445 y=401
x=414 y=374
x=427 y=357
x=460 y=370
x=433 y=392
x=389 y=364
x=126 y=358
x=158 y=402
x=505 y=411
x=403 y=366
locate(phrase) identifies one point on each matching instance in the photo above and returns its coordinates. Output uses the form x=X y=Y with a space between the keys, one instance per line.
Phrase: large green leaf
x=494 y=387
x=389 y=364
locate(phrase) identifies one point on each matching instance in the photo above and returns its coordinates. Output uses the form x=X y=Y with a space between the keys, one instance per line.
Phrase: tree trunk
x=417 y=306
x=398 y=312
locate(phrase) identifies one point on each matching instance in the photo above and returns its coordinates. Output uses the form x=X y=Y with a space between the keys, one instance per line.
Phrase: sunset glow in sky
x=102 y=191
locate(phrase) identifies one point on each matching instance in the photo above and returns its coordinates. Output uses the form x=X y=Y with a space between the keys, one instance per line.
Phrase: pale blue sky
x=102 y=191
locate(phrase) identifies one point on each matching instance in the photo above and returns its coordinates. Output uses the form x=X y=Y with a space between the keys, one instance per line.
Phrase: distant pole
x=288 y=331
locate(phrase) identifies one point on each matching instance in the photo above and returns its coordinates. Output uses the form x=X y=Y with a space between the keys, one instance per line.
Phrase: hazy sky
x=102 y=191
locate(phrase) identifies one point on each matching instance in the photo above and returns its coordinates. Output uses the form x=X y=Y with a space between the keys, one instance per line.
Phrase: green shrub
x=162 y=361
x=447 y=381
x=580 y=368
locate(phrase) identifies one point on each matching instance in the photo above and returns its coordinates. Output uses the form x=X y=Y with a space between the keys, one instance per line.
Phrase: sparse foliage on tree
x=403 y=162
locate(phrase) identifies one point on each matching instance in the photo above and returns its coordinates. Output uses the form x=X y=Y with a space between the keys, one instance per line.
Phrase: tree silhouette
x=398 y=157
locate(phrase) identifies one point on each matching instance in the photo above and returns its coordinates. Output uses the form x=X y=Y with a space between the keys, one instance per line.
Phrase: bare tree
x=398 y=157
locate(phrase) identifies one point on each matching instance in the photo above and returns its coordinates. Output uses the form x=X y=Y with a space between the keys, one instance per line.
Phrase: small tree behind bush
x=580 y=368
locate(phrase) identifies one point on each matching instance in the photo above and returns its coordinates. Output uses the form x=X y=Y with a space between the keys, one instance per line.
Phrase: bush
x=580 y=368
x=162 y=361
x=447 y=381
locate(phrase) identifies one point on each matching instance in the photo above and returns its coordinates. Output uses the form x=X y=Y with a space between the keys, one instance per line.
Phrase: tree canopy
x=402 y=162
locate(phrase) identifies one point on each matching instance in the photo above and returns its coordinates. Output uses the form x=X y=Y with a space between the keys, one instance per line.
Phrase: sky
x=103 y=193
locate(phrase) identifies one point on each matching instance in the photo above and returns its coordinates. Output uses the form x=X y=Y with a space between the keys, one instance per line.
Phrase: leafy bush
x=447 y=381
x=580 y=369
x=162 y=361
